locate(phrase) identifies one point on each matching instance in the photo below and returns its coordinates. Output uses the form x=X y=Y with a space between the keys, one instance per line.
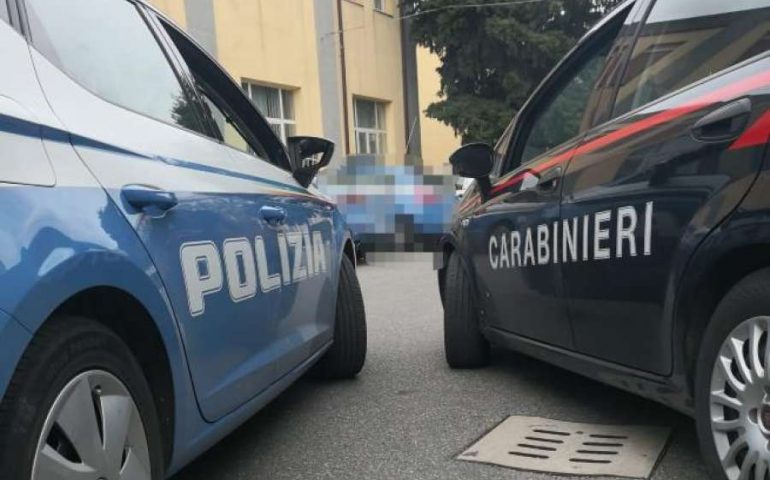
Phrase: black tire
x=748 y=299
x=346 y=357
x=60 y=351
x=464 y=344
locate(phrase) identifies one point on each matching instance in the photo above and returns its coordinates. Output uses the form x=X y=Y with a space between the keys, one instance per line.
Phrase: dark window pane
x=560 y=118
x=685 y=41
x=108 y=48
x=501 y=147
x=366 y=116
x=267 y=100
x=288 y=105
x=380 y=115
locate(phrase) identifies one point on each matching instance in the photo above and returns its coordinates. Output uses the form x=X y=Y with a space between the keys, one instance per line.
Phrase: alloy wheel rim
x=739 y=402
x=93 y=431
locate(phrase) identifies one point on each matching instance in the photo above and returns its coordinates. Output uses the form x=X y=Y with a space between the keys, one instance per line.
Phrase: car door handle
x=148 y=198
x=723 y=124
x=549 y=180
x=273 y=215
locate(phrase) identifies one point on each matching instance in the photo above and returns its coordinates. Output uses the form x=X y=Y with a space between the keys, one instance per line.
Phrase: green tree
x=493 y=56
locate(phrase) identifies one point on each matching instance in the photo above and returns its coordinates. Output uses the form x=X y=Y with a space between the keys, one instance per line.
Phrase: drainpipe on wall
x=345 y=113
x=410 y=86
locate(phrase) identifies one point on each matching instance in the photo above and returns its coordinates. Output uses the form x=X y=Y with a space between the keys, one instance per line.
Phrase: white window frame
x=281 y=123
x=379 y=133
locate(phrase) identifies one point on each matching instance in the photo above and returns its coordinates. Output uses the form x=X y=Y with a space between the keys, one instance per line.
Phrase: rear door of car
x=303 y=254
x=139 y=126
x=516 y=230
x=683 y=146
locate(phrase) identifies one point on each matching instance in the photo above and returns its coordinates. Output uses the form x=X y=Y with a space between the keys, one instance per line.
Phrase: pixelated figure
x=390 y=207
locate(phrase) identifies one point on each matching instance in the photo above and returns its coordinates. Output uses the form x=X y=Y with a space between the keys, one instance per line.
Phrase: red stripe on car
x=757 y=134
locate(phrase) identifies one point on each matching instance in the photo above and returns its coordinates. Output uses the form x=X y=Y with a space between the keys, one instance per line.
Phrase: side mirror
x=308 y=155
x=474 y=160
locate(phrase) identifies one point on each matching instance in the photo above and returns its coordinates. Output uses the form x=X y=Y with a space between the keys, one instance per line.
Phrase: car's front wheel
x=346 y=357
x=732 y=396
x=464 y=344
x=78 y=407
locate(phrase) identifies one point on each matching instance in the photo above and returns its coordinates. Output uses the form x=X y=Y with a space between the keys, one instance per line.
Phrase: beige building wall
x=275 y=43
x=438 y=139
x=174 y=9
x=374 y=69
x=270 y=43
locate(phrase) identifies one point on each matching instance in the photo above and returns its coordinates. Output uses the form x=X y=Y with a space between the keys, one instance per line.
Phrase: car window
x=684 y=41
x=559 y=117
x=227 y=128
x=245 y=124
x=107 y=47
x=501 y=148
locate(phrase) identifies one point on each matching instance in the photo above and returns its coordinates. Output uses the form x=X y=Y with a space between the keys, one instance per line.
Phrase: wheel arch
x=705 y=289
x=123 y=291
x=125 y=315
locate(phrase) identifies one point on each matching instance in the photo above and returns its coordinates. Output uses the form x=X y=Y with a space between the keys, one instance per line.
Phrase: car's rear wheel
x=733 y=383
x=464 y=345
x=346 y=357
x=78 y=407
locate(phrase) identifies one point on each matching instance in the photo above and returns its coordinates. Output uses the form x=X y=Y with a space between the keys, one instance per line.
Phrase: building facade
x=343 y=69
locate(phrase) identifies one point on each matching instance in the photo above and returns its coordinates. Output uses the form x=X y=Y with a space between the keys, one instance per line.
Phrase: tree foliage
x=494 y=56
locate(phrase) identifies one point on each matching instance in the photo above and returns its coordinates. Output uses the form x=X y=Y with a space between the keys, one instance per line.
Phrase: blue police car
x=167 y=267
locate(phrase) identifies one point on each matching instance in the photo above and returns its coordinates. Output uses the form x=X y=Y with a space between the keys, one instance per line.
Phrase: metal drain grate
x=543 y=445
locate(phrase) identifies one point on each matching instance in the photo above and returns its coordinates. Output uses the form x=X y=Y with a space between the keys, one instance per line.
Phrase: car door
x=137 y=124
x=306 y=307
x=516 y=230
x=302 y=300
x=663 y=173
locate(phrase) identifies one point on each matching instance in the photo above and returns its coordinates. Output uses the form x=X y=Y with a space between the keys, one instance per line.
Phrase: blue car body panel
x=67 y=160
x=15 y=337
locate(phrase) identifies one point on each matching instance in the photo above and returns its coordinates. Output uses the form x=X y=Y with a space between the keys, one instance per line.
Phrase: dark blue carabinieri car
x=621 y=226
x=167 y=266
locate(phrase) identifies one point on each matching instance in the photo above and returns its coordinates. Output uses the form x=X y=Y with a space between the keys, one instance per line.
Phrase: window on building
x=684 y=41
x=379 y=5
x=369 y=122
x=119 y=60
x=277 y=105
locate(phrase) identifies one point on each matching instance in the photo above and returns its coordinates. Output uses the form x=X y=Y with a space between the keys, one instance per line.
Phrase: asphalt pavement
x=407 y=416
